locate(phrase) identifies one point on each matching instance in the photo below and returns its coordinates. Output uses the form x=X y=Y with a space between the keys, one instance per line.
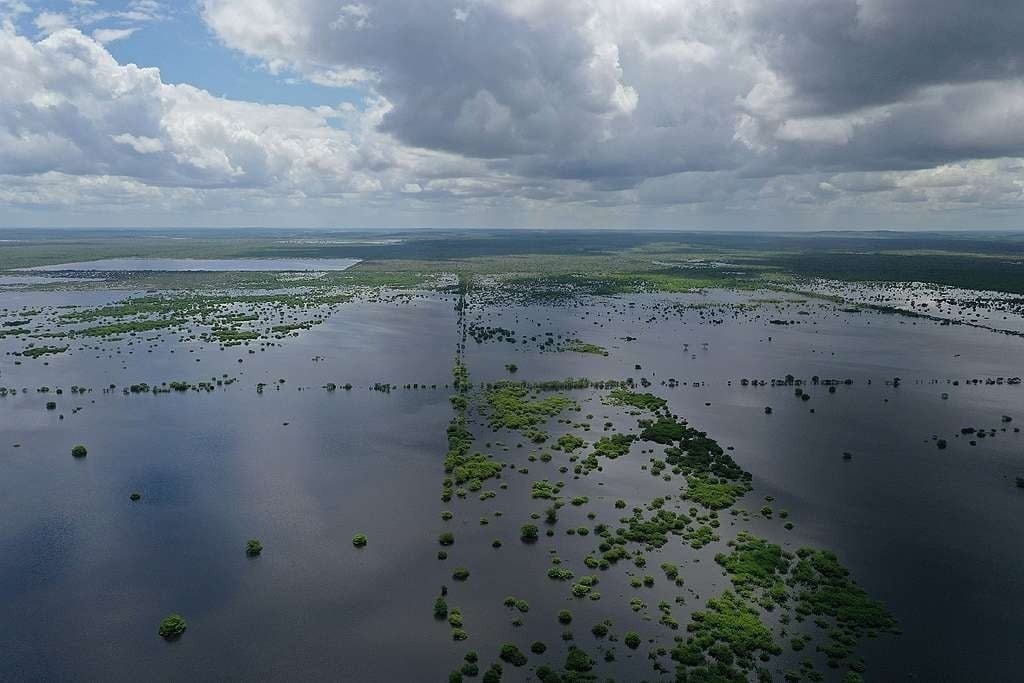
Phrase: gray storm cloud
x=730 y=106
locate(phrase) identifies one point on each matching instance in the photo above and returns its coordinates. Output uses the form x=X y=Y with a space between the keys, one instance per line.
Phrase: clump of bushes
x=172 y=626
x=359 y=540
x=79 y=451
x=512 y=654
x=253 y=547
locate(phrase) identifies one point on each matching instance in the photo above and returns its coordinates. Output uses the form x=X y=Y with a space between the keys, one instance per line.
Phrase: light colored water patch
x=27 y=280
x=187 y=264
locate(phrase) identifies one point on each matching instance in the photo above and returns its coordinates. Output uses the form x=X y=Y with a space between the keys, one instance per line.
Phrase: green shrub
x=512 y=654
x=577 y=660
x=253 y=547
x=79 y=451
x=632 y=640
x=359 y=540
x=493 y=674
x=172 y=626
x=560 y=574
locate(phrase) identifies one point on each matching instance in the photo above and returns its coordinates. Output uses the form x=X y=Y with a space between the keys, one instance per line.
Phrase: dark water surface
x=86 y=575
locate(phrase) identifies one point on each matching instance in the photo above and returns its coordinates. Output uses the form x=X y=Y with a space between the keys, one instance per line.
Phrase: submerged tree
x=172 y=626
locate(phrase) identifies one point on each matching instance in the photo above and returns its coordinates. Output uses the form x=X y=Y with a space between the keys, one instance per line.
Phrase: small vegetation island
x=172 y=626
x=695 y=457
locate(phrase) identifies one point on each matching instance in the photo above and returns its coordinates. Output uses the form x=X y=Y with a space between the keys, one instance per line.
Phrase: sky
x=687 y=114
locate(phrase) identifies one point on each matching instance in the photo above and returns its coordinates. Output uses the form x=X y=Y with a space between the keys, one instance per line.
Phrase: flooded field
x=886 y=439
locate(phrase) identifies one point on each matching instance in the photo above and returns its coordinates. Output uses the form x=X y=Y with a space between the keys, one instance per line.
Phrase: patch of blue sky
x=173 y=37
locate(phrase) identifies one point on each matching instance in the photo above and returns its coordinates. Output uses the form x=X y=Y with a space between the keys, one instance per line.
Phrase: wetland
x=499 y=458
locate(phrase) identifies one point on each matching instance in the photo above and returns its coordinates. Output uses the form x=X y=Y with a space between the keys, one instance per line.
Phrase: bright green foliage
x=729 y=628
x=585 y=347
x=824 y=587
x=613 y=446
x=510 y=408
x=569 y=442
x=625 y=397
x=654 y=531
x=716 y=495
x=754 y=562
x=560 y=574
x=544 y=489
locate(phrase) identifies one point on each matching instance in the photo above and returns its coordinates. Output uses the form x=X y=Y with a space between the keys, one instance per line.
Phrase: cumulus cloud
x=676 y=108
x=70 y=108
x=502 y=79
x=109 y=35
x=616 y=92
x=839 y=55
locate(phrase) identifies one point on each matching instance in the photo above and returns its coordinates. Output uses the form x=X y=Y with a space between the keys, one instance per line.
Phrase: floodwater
x=197 y=264
x=86 y=575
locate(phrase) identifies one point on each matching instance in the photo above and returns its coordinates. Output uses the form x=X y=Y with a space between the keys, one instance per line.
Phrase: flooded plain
x=273 y=447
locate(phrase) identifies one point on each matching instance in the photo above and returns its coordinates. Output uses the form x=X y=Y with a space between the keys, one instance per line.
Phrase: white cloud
x=48 y=22
x=576 y=109
x=142 y=145
x=109 y=35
